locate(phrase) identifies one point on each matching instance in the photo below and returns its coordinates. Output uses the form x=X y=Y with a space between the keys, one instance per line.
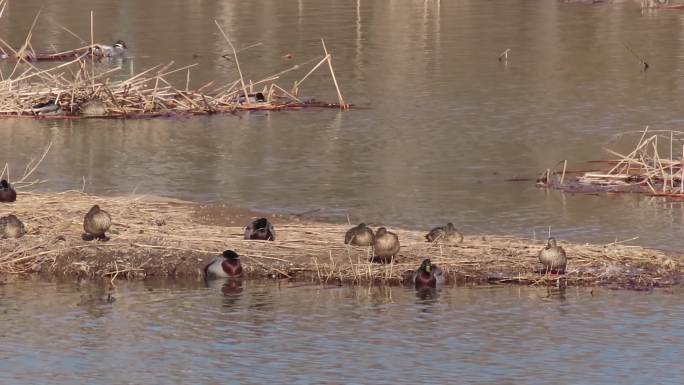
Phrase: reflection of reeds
x=76 y=82
x=157 y=237
x=641 y=170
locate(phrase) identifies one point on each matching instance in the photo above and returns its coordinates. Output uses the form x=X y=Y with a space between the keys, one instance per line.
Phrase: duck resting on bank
x=260 y=229
x=447 y=233
x=7 y=192
x=553 y=258
x=360 y=235
x=95 y=223
x=11 y=227
x=226 y=265
x=385 y=246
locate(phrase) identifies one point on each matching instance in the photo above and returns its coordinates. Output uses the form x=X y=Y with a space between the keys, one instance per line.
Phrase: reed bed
x=153 y=237
x=655 y=167
x=81 y=88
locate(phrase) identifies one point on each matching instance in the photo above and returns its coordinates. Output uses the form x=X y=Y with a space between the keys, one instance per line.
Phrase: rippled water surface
x=446 y=123
x=256 y=333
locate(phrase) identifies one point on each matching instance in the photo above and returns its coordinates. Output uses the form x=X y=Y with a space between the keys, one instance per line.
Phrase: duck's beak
x=428 y=268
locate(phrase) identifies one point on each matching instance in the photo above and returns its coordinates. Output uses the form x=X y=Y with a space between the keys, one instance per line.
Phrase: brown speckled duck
x=360 y=235
x=553 y=257
x=11 y=227
x=96 y=223
x=260 y=229
x=447 y=233
x=7 y=192
x=385 y=246
x=226 y=265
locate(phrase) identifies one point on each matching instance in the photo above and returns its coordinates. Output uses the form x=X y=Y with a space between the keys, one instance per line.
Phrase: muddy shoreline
x=153 y=237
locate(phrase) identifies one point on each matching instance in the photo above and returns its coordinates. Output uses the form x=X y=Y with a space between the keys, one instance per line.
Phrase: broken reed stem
x=332 y=73
x=565 y=165
x=92 y=50
x=237 y=63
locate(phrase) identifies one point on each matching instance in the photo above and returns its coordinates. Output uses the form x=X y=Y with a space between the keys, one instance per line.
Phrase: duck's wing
x=439 y=275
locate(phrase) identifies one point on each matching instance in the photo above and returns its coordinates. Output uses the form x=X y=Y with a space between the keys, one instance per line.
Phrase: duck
x=360 y=235
x=226 y=265
x=385 y=246
x=50 y=107
x=447 y=233
x=11 y=227
x=96 y=223
x=119 y=48
x=93 y=108
x=260 y=229
x=7 y=192
x=252 y=98
x=553 y=257
x=427 y=276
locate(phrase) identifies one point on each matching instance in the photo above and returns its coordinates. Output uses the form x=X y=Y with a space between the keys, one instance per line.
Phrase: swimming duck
x=260 y=229
x=224 y=266
x=427 y=276
x=116 y=49
x=447 y=233
x=553 y=257
x=385 y=246
x=360 y=235
x=96 y=223
x=252 y=98
x=7 y=192
x=11 y=227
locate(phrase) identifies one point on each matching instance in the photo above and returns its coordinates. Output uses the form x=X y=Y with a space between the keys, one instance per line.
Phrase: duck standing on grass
x=447 y=233
x=260 y=229
x=385 y=246
x=7 y=192
x=96 y=223
x=553 y=258
x=226 y=265
x=11 y=227
x=360 y=235
x=427 y=276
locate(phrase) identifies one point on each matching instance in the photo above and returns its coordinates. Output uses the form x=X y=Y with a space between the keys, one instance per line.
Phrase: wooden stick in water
x=343 y=106
x=237 y=63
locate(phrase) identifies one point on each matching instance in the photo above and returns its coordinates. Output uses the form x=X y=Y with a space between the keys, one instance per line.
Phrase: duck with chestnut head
x=226 y=265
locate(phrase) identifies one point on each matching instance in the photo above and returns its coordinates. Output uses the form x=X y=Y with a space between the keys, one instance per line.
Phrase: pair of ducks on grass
x=386 y=243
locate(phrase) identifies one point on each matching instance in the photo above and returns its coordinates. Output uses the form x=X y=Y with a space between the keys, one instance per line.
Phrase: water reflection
x=182 y=331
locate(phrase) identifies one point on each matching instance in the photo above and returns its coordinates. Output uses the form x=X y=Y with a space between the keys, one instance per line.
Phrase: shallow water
x=264 y=332
x=447 y=122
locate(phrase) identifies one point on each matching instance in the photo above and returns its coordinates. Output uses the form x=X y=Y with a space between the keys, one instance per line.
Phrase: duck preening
x=119 y=48
x=225 y=265
x=427 y=276
x=360 y=235
x=553 y=257
x=260 y=229
x=11 y=227
x=447 y=233
x=7 y=192
x=96 y=223
x=385 y=246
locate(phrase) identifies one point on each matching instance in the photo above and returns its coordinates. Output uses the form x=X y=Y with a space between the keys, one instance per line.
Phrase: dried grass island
x=158 y=237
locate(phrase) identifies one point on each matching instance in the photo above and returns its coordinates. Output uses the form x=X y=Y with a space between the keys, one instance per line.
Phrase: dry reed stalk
x=332 y=73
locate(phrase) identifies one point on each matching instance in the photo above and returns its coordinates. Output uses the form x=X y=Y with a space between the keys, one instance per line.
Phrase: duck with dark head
x=427 y=276
x=260 y=229
x=385 y=246
x=360 y=235
x=96 y=223
x=226 y=265
x=553 y=258
x=7 y=192
x=11 y=227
